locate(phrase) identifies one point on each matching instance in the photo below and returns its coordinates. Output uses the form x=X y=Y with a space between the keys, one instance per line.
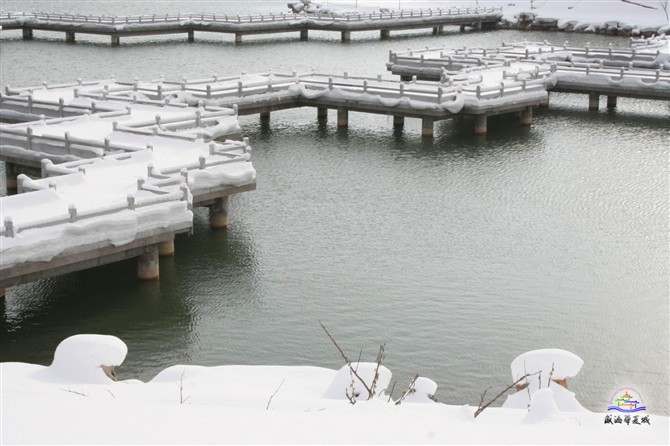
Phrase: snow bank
x=74 y=402
x=347 y=385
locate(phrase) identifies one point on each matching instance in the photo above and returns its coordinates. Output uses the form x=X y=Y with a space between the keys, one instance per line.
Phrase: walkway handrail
x=247 y=18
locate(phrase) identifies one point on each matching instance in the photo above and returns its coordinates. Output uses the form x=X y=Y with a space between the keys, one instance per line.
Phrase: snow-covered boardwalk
x=116 y=184
x=243 y=25
x=642 y=71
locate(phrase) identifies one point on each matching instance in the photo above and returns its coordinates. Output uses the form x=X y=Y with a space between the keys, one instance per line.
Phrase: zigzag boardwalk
x=243 y=25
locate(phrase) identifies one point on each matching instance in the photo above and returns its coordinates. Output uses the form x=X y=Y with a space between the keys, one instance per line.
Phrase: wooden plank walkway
x=243 y=25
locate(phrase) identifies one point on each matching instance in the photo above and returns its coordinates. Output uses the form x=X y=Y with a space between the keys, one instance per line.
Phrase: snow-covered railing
x=30 y=105
x=64 y=145
x=246 y=18
x=10 y=229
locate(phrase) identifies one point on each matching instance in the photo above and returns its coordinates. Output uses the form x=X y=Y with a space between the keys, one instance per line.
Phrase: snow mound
x=564 y=363
x=345 y=381
x=81 y=358
x=543 y=408
x=424 y=391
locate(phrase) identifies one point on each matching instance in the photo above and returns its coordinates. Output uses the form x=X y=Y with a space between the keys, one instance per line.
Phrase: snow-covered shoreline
x=75 y=401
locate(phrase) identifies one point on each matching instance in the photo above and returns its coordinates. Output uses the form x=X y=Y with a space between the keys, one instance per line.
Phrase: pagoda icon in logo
x=626 y=400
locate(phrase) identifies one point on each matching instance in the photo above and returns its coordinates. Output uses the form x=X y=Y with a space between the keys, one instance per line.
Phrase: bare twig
x=481 y=400
x=410 y=389
x=347 y=361
x=110 y=392
x=182 y=400
x=481 y=408
x=74 y=391
x=391 y=392
x=380 y=357
x=550 y=374
x=272 y=396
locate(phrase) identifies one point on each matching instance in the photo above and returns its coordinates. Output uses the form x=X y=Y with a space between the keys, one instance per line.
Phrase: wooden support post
x=304 y=34
x=10 y=178
x=384 y=33
x=462 y=28
x=398 y=121
x=27 y=33
x=440 y=29
x=191 y=36
x=147 y=263
x=69 y=36
x=116 y=41
x=322 y=113
x=3 y=293
x=435 y=30
x=342 y=117
x=427 y=127
x=218 y=213
x=527 y=116
x=611 y=101
x=238 y=38
x=265 y=116
x=480 y=124
x=166 y=249
x=594 y=99
x=346 y=36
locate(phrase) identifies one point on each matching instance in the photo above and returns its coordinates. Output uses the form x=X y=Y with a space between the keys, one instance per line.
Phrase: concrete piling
x=346 y=36
x=10 y=178
x=147 y=263
x=191 y=36
x=427 y=127
x=27 y=33
x=611 y=101
x=238 y=38
x=322 y=113
x=116 y=41
x=69 y=36
x=342 y=117
x=166 y=248
x=304 y=34
x=594 y=100
x=398 y=121
x=384 y=33
x=218 y=213
x=480 y=124
x=527 y=116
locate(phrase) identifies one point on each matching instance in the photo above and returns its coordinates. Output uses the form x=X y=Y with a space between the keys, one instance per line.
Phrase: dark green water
x=459 y=252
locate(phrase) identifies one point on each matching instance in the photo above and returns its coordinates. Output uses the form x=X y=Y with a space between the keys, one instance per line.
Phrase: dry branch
x=481 y=408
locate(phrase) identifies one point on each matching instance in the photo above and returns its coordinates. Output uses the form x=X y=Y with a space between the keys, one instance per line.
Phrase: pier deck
x=641 y=72
x=244 y=25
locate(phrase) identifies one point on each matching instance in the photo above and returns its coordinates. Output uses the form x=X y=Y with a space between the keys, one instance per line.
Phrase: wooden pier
x=245 y=25
x=637 y=72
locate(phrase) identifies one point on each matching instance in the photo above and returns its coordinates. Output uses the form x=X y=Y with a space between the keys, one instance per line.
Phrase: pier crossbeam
x=83 y=257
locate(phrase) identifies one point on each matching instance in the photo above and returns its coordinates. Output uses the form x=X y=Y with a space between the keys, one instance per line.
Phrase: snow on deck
x=131 y=171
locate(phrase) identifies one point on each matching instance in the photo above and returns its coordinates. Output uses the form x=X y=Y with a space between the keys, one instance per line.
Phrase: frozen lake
x=459 y=252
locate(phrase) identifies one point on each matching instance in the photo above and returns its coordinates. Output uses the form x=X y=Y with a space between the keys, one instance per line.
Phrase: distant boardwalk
x=243 y=25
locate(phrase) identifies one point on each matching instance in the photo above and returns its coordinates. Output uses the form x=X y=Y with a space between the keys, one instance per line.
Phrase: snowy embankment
x=76 y=400
x=614 y=16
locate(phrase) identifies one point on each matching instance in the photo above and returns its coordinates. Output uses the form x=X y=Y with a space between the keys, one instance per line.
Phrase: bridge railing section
x=247 y=18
